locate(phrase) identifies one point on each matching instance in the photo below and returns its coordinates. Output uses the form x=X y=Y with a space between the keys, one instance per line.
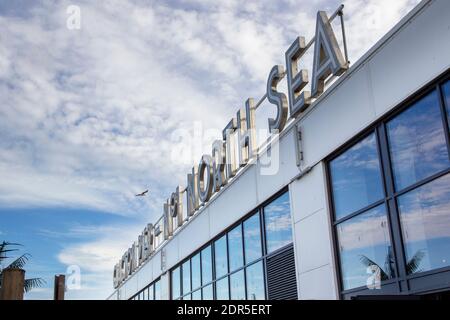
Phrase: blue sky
x=90 y=117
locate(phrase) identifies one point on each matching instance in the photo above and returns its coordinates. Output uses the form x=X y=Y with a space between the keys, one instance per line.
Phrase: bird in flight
x=142 y=194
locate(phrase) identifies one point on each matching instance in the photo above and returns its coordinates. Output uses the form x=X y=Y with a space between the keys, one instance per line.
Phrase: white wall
x=416 y=51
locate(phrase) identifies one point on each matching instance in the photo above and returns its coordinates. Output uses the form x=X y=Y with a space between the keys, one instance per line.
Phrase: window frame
x=402 y=282
x=147 y=288
x=264 y=256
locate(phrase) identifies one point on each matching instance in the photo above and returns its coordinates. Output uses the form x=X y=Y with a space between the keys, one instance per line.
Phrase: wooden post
x=60 y=286
x=12 y=284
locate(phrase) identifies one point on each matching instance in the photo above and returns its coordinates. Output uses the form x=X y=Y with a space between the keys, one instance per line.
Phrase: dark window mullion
x=244 y=259
x=444 y=117
x=213 y=267
x=392 y=210
x=358 y=212
x=264 y=249
x=422 y=182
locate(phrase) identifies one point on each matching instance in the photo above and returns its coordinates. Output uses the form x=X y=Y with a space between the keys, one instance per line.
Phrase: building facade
x=360 y=203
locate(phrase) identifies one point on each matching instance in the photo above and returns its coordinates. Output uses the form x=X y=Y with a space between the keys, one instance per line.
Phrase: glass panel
x=186 y=276
x=446 y=91
x=277 y=217
x=417 y=142
x=208 y=292
x=425 y=219
x=206 y=265
x=150 y=293
x=237 y=286
x=144 y=294
x=255 y=282
x=176 y=292
x=157 y=286
x=364 y=244
x=197 y=295
x=187 y=297
x=356 y=177
x=235 y=248
x=252 y=238
x=195 y=271
x=222 y=289
x=220 y=255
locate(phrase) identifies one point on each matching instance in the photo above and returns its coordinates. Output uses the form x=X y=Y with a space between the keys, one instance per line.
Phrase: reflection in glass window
x=417 y=142
x=252 y=238
x=237 y=286
x=236 y=256
x=222 y=289
x=207 y=292
x=255 y=282
x=364 y=243
x=206 y=265
x=197 y=295
x=157 y=286
x=186 y=272
x=176 y=292
x=277 y=217
x=150 y=293
x=446 y=91
x=220 y=256
x=144 y=294
x=425 y=219
x=356 y=178
x=195 y=271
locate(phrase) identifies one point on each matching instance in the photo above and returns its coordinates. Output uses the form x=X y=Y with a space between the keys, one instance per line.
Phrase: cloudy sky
x=91 y=116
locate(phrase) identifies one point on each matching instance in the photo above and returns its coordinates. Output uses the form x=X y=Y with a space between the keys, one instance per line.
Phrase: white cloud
x=87 y=115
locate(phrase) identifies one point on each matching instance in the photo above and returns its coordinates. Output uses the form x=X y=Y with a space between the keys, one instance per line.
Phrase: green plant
x=18 y=263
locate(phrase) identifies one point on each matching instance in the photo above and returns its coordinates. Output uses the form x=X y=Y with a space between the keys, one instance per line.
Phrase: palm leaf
x=368 y=262
x=33 y=283
x=413 y=264
x=5 y=244
x=3 y=249
x=20 y=262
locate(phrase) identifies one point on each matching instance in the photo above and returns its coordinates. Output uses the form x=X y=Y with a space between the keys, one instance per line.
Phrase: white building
x=365 y=211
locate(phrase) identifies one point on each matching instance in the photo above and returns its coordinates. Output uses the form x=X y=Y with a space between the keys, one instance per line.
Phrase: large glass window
x=157 y=287
x=425 y=219
x=412 y=149
x=236 y=256
x=207 y=292
x=237 y=287
x=186 y=271
x=176 y=283
x=255 y=282
x=278 y=223
x=417 y=142
x=144 y=295
x=197 y=295
x=222 y=292
x=187 y=297
x=232 y=266
x=206 y=265
x=363 y=245
x=356 y=178
x=195 y=271
x=151 y=295
x=252 y=238
x=221 y=257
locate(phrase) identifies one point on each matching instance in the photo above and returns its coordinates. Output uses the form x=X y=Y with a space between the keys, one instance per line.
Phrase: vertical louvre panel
x=281 y=278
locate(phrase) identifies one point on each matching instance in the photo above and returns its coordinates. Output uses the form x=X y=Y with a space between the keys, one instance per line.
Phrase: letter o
x=205 y=186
